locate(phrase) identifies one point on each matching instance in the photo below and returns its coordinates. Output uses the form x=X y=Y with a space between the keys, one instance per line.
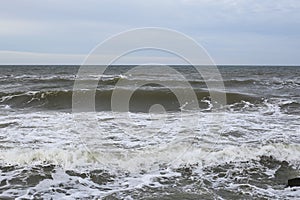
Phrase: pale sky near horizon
x=232 y=31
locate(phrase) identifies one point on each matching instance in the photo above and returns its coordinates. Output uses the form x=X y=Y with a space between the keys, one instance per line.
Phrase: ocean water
x=246 y=149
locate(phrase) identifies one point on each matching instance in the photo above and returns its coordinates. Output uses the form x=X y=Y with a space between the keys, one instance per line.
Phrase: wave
x=114 y=78
x=74 y=158
x=290 y=107
x=43 y=99
x=65 y=174
x=141 y=100
x=68 y=77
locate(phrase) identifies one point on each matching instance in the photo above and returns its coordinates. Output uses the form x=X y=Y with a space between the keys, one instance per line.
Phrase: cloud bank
x=232 y=31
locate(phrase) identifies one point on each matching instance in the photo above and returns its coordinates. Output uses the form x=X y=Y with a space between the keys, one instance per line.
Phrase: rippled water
x=246 y=149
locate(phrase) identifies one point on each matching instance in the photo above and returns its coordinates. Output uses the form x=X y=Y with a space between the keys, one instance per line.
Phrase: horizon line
x=77 y=59
x=225 y=65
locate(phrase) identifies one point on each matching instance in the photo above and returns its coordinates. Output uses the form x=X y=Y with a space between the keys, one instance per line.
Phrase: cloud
x=33 y=58
x=255 y=6
x=19 y=27
x=23 y=58
x=75 y=27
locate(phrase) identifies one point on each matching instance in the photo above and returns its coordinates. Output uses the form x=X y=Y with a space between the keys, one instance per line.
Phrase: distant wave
x=109 y=79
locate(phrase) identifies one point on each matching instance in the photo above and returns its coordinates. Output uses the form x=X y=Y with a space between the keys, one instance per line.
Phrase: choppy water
x=49 y=152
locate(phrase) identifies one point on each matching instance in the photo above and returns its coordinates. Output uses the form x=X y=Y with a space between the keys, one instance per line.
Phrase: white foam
x=52 y=137
x=39 y=138
x=68 y=159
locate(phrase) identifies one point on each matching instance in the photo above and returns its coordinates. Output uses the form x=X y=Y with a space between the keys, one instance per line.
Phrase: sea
x=140 y=142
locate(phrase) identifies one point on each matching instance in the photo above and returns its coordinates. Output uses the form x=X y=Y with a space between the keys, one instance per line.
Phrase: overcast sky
x=232 y=31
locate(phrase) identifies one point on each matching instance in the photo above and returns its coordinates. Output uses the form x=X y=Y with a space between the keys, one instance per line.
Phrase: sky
x=236 y=32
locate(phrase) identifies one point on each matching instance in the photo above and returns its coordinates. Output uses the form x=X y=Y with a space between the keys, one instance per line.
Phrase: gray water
x=246 y=149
